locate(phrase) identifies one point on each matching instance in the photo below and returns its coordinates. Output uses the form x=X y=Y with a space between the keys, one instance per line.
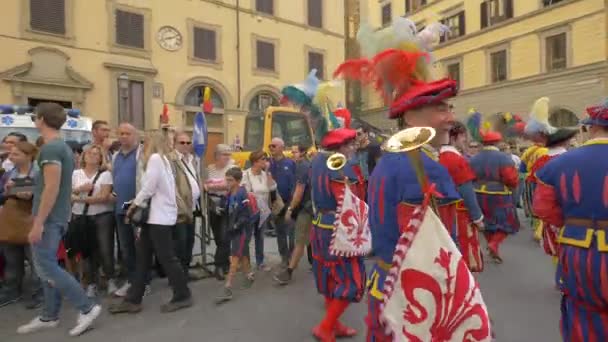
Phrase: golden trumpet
x=409 y=139
x=336 y=161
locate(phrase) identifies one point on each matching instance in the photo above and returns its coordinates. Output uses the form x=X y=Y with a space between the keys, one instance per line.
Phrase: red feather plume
x=391 y=71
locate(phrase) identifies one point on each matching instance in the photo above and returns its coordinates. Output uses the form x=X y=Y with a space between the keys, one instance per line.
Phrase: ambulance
x=19 y=118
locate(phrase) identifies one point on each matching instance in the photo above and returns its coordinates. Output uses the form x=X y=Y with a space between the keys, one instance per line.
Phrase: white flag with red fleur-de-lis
x=351 y=236
x=430 y=295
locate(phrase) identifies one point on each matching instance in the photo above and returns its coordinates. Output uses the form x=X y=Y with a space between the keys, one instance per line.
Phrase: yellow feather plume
x=487 y=126
x=207 y=94
x=326 y=95
x=508 y=117
x=423 y=71
x=472 y=111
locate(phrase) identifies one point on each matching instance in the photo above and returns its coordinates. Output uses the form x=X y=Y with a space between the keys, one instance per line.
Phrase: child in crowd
x=241 y=215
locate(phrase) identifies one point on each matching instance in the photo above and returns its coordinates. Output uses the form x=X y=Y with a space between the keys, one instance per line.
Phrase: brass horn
x=409 y=139
x=336 y=161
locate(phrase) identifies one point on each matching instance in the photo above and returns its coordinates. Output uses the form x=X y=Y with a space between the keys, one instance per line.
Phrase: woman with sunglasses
x=259 y=181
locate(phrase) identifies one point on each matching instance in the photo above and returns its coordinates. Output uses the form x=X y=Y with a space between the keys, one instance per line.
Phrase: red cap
x=491 y=137
x=338 y=137
x=345 y=115
x=422 y=93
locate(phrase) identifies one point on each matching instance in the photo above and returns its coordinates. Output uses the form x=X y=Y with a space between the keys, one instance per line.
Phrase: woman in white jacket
x=157 y=191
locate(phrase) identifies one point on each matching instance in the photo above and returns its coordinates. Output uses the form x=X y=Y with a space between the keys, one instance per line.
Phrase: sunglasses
x=272 y=146
x=185 y=142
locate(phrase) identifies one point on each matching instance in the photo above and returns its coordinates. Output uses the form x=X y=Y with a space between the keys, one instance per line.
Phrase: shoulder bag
x=78 y=238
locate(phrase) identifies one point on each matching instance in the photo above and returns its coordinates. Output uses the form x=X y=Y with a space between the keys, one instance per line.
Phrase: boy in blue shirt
x=241 y=216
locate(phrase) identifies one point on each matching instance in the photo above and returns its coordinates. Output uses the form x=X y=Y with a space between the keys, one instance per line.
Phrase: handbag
x=139 y=215
x=78 y=238
x=16 y=221
x=277 y=205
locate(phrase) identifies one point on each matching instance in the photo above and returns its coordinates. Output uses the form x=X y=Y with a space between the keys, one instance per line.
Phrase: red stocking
x=335 y=309
x=498 y=239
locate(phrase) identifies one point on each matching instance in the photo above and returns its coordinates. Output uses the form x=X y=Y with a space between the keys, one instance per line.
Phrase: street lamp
x=123 y=91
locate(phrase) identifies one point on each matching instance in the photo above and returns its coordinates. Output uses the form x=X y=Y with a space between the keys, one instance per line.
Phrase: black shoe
x=176 y=305
x=34 y=302
x=9 y=298
x=124 y=307
x=282 y=278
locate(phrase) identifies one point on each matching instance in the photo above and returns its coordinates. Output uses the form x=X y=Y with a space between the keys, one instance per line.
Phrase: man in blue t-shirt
x=283 y=170
x=51 y=212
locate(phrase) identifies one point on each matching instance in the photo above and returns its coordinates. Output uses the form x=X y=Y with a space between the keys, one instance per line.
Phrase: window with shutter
x=454 y=72
x=498 y=66
x=315 y=61
x=386 y=14
x=48 y=16
x=205 y=44
x=556 y=52
x=413 y=5
x=495 y=11
x=456 y=23
x=265 y=55
x=547 y=3
x=265 y=6
x=315 y=13
x=129 y=29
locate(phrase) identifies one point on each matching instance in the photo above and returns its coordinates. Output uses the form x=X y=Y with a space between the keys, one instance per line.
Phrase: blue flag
x=199 y=136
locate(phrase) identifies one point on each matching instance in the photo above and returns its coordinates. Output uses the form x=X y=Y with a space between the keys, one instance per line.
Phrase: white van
x=15 y=118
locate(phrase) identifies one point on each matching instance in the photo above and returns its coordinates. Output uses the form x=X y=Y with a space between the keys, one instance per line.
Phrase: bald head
x=277 y=145
x=127 y=136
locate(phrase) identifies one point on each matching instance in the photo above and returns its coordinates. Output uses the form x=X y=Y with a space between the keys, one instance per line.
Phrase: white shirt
x=258 y=184
x=516 y=160
x=190 y=170
x=7 y=165
x=158 y=183
x=80 y=178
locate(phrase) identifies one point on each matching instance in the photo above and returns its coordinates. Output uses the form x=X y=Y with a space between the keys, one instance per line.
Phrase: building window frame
x=274 y=8
x=489 y=69
x=557 y=2
x=254 y=48
x=506 y=6
x=192 y=59
x=307 y=51
x=384 y=6
x=458 y=12
x=323 y=15
x=28 y=32
x=543 y=36
x=412 y=6
x=452 y=61
x=124 y=49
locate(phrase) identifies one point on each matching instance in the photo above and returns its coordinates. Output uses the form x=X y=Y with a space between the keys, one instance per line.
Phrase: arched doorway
x=262 y=100
x=215 y=120
x=562 y=117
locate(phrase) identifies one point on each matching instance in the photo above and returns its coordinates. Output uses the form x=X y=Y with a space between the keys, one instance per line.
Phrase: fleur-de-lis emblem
x=454 y=301
x=72 y=123
x=7 y=120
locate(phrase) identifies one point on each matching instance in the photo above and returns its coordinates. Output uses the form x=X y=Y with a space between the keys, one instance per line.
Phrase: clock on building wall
x=169 y=38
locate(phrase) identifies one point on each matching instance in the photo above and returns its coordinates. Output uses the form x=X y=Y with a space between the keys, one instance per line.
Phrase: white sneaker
x=148 y=290
x=85 y=321
x=112 y=286
x=35 y=325
x=122 y=291
x=92 y=291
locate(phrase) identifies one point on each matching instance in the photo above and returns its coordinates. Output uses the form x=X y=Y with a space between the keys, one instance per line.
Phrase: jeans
x=222 y=244
x=103 y=255
x=285 y=237
x=183 y=238
x=56 y=282
x=126 y=239
x=159 y=239
x=15 y=256
x=258 y=236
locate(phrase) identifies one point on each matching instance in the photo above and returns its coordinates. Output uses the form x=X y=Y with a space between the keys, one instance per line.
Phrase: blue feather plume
x=474 y=125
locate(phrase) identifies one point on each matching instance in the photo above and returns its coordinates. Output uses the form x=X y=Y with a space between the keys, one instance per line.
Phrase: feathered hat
x=480 y=130
x=598 y=115
x=397 y=63
x=538 y=125
x=331 y=126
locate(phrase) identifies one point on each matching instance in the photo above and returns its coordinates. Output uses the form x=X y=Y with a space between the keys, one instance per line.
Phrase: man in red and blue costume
x=469 y=216
x=572 y=192
x=556 y=140
x=394 y=189
x=496 y=179
x=340 y=279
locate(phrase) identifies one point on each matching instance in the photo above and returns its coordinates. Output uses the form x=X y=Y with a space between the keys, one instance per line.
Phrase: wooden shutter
x=47 y=16
x=386 y=14
x=315 y=61
x=205 y=44
x=408 y=6
x=484 y=14
x=265 y=55
x=315 y=13
x=443 y=37
x=136 y=104
x=129 y=29
x=508 y=9
x=461 y=23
